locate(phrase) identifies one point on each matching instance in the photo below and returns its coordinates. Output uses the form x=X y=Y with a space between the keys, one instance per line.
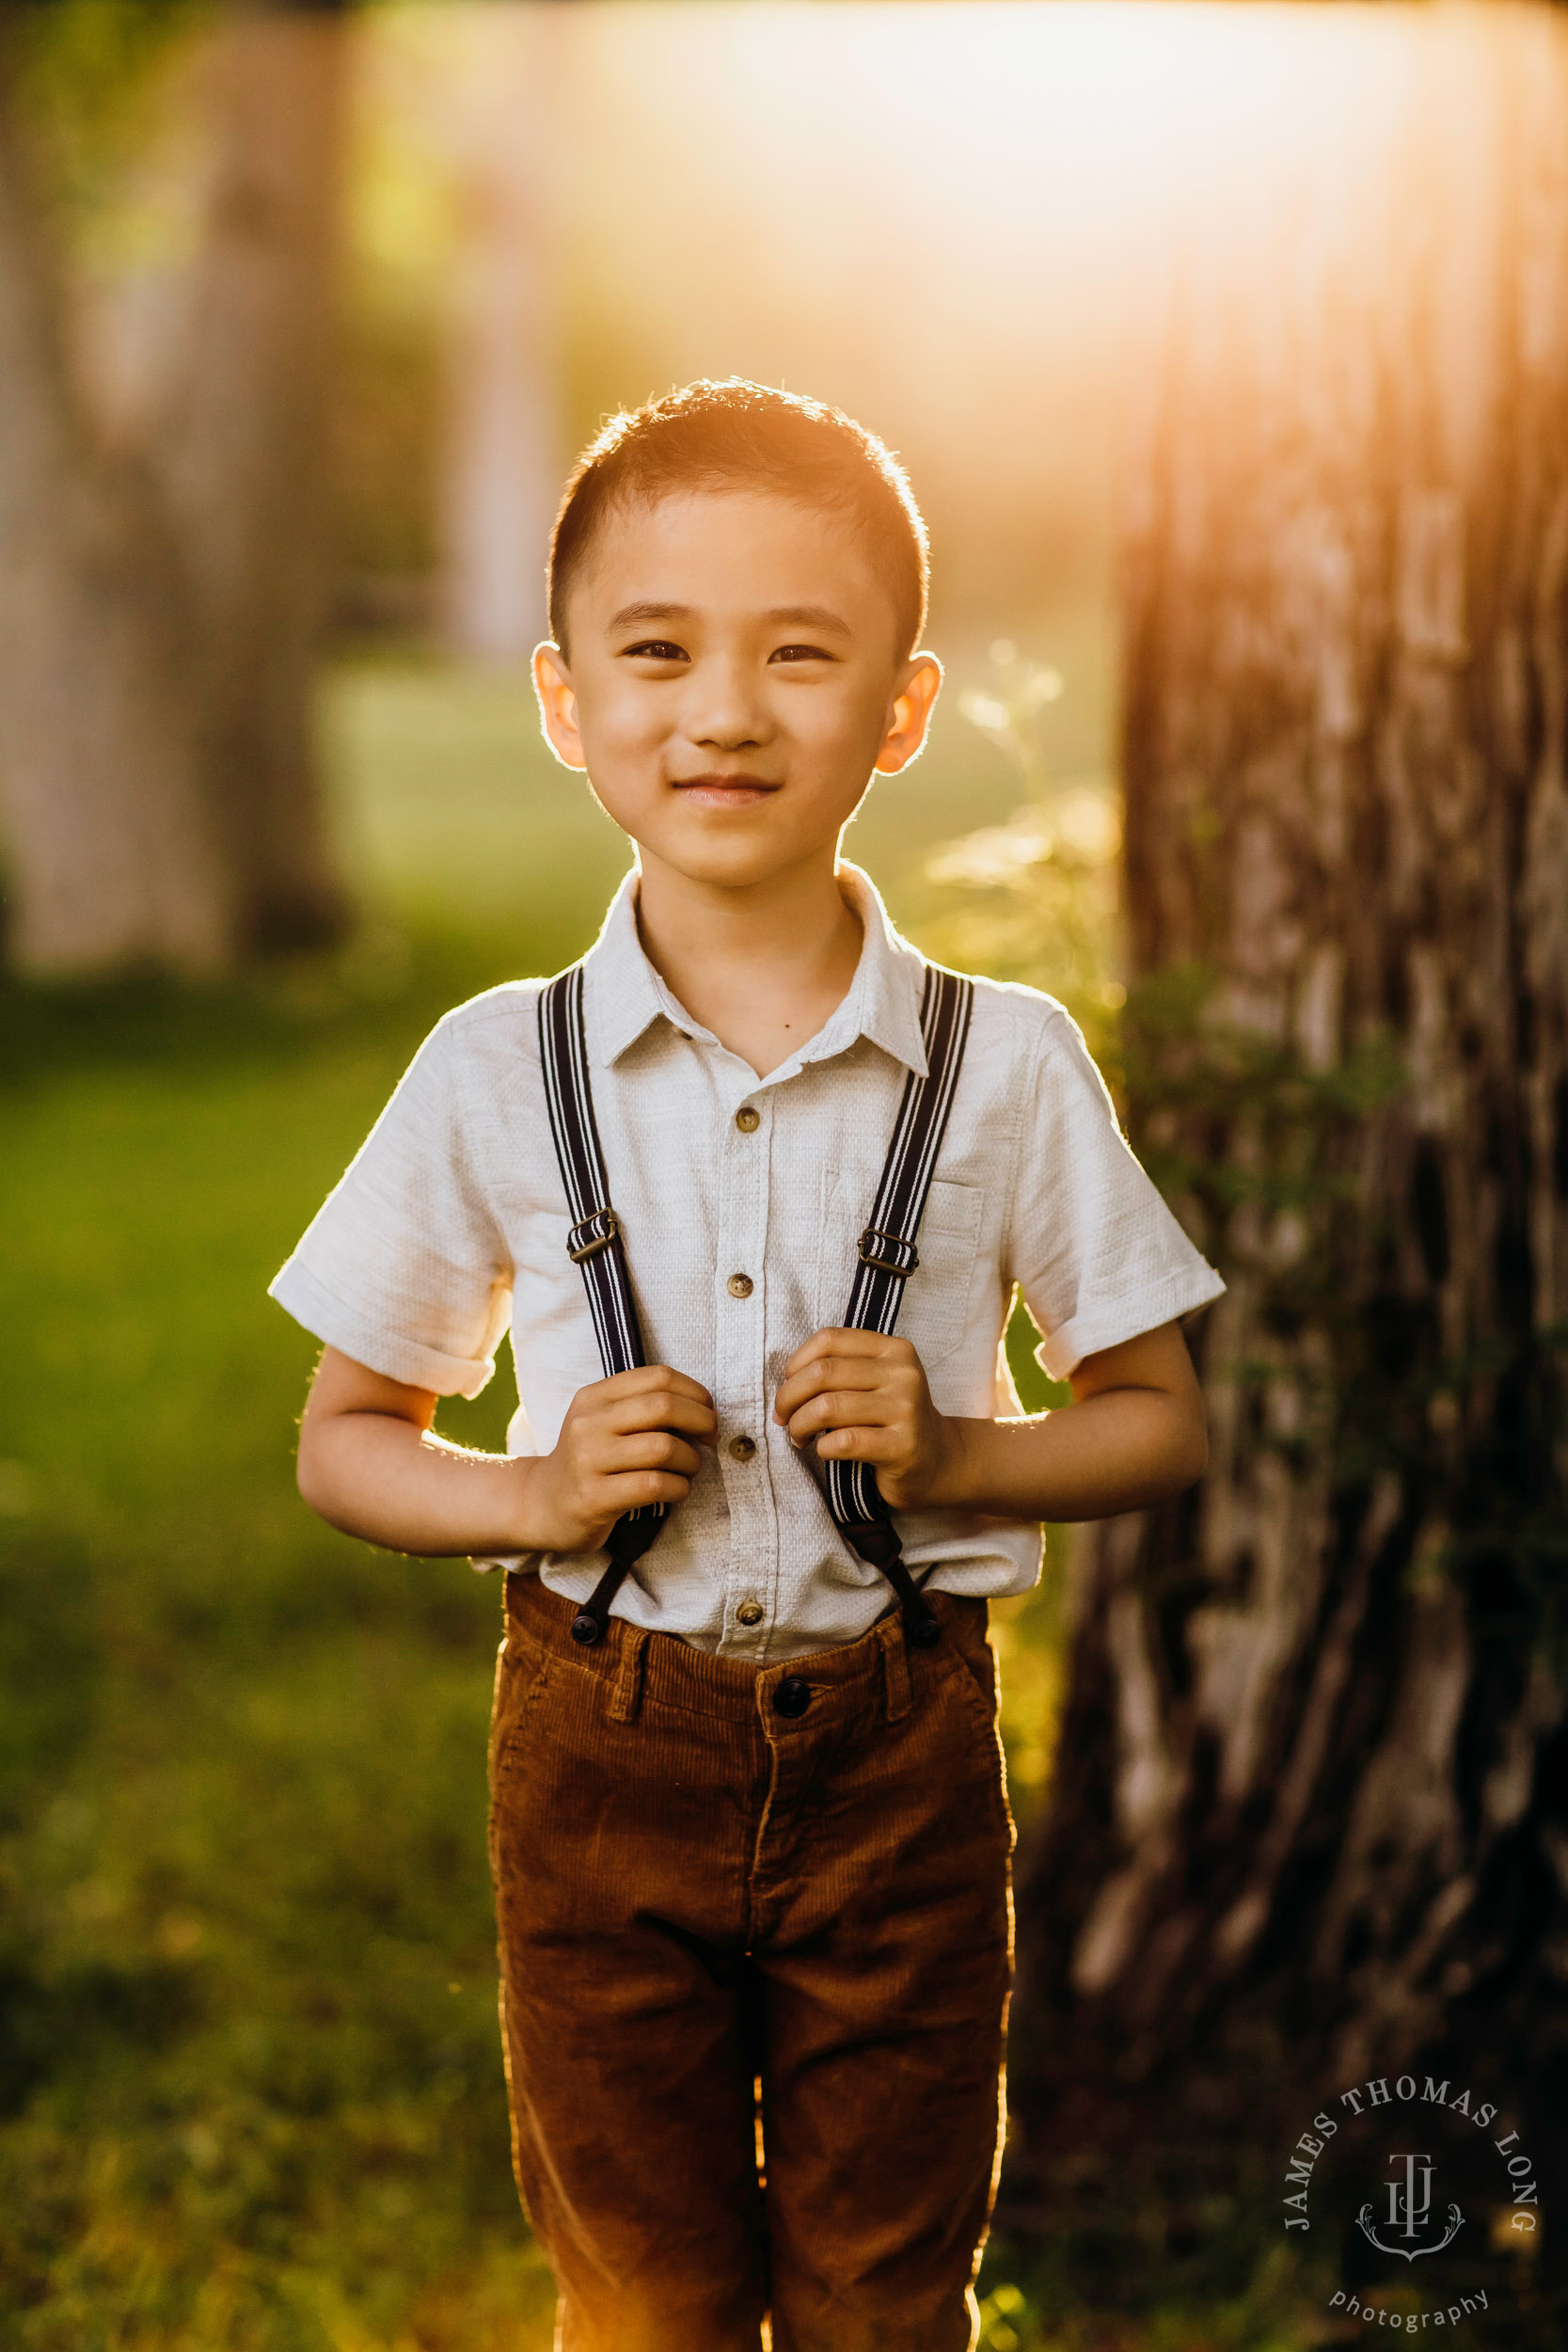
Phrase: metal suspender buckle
x=594 y=1233
x=894 y=1255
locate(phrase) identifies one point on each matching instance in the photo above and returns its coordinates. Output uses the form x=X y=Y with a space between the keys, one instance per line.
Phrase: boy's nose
x=725 y=714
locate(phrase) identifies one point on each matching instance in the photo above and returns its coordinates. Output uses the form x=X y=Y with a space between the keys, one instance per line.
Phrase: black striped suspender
x=595 y=1245
x=888 y=1257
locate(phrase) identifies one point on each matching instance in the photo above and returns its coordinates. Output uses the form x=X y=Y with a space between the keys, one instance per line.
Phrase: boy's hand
x=626 y=1441
x=1135 y=1436
x=865 y=1399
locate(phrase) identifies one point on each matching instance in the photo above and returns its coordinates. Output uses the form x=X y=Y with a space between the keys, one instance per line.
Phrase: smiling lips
x=720 y=792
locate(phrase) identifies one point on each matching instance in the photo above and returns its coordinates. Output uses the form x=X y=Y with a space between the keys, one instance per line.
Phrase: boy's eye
x=654 y=649
x=800 y=653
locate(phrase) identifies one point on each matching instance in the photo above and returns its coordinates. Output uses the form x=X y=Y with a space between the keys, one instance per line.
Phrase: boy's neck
x=763 y=966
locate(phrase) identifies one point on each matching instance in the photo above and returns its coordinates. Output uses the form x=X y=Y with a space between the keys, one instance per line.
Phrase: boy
x=748 y=1816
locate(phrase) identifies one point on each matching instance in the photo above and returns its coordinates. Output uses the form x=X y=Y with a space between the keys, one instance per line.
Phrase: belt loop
x=895 y=1668
x=627 y=1696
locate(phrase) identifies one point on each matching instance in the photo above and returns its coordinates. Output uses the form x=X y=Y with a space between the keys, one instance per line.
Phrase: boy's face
x=735 y=678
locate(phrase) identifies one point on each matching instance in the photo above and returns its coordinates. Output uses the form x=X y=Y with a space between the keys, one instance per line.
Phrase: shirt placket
x=751 y=1593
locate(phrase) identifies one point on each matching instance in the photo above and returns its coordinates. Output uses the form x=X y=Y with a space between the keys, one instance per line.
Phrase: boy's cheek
x=623 y=730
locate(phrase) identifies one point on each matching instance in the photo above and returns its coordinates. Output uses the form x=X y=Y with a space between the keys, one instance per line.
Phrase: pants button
x=791 y=1696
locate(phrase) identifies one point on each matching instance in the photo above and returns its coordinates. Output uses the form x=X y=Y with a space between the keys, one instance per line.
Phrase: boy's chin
x=736 y=864
x=721 y=873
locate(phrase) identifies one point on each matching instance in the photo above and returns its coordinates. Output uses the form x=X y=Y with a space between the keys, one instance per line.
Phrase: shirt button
x=749 y=1613
x=741 y=1286
x=747 y=1120
x=742 y=1449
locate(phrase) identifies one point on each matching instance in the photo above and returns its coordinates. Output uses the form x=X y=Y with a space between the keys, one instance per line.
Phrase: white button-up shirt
x=451 y=1222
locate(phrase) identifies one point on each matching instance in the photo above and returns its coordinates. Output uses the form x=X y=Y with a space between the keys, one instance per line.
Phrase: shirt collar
x=626 y=995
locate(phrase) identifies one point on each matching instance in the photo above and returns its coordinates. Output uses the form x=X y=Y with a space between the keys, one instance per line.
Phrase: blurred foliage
x=1036 y=897
x=402 y=233
x=1049 y=2299
x=385 y=468
x=89 y=69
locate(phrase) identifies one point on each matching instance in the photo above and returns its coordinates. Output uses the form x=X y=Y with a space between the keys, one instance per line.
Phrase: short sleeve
x=1096 y=1252
x=404 y=1267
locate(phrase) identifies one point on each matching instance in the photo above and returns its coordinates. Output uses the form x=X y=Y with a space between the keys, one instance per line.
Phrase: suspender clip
x=594 y=1233
x=895 y=1256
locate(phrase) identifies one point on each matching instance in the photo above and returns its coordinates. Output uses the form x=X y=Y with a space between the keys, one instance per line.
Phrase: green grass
x=243 y=1796
x=251 y=2091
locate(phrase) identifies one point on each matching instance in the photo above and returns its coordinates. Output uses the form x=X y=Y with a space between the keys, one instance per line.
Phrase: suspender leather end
x=877 y=1541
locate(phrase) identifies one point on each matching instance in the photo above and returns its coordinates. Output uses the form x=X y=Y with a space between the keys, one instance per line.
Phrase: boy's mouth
x=724 y=791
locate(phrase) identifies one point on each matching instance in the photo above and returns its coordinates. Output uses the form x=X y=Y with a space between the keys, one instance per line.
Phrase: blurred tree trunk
x=161 y=604
x=245 y=453
x=109 y=836
x=502 y=459
x=1310 y=1811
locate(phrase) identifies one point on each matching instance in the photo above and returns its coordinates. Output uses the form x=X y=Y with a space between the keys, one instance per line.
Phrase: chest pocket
x=935 y=1311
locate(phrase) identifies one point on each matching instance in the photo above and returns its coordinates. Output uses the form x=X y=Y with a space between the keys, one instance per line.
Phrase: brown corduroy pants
x=698 y=1892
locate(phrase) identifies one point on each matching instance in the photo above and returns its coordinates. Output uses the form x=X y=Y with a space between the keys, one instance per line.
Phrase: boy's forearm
x=371 y=1463
x=382 y=1478
x=1120 y=1450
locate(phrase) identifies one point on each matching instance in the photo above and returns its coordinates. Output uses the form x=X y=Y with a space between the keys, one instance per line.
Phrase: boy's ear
x=558 y=705
x=912 y=714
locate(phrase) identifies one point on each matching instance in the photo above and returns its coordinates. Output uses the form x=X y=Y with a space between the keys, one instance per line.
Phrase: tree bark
x=110 y=841
x=245 y=454
x=160 y=602
x=1308 y=1815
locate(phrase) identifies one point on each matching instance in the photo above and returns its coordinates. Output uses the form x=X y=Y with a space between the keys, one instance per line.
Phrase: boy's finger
x=662 y=1408
x=861 y=1373
x=628 y=1491
x=842 y=1408
x=645 y=1377
x=859 y=1445
x=836 y=1341
x=653 y=1449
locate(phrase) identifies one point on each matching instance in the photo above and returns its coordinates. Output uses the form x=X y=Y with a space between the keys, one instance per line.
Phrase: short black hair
x=734 y=435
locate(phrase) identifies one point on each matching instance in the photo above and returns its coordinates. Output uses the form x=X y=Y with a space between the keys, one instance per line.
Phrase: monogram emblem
x=1409 y=2212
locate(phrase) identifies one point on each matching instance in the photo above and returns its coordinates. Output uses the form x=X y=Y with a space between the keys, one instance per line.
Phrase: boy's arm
x=1136 y=1433
x=371 y=1463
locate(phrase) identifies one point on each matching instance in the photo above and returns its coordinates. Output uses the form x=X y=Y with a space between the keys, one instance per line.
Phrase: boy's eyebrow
x=630 y=614
x=811 y=616
x=795 y=615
